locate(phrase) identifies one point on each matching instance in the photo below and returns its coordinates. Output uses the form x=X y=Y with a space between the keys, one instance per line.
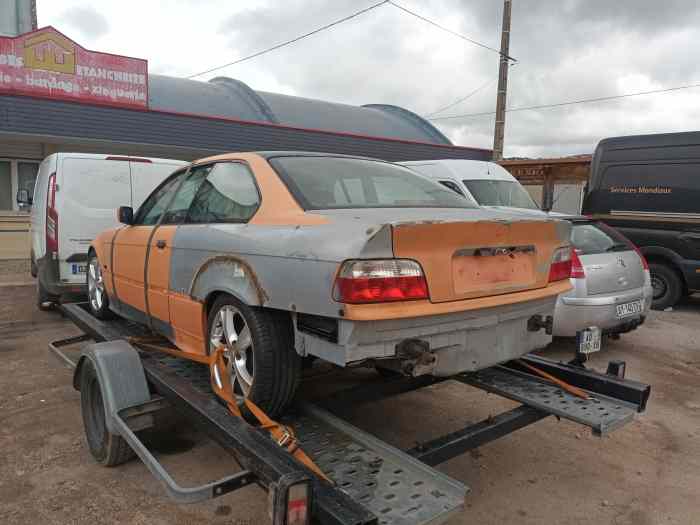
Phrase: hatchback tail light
x=51 y=225
x=380 y=281
x=577 y=271
x=560 y=268
x=645 y=263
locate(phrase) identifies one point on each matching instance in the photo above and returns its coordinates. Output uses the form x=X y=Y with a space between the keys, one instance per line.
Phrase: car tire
x=667 y=284
x=266 y=368
x=108 y=449
x=44 y=300
x=97 y=294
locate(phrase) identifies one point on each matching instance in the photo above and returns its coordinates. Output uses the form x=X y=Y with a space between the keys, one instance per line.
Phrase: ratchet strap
x=221 y=384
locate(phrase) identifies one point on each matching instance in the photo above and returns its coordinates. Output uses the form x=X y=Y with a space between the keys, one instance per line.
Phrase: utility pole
x=499 y=128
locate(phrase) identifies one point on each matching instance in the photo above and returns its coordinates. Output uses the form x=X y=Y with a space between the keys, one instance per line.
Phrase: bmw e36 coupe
x=280 y=256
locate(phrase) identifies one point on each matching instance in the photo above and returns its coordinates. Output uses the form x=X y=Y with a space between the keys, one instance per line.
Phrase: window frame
x=236 y=221
x=138 y=218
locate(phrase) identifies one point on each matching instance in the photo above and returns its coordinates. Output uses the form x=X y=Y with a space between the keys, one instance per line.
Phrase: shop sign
x=46 y=63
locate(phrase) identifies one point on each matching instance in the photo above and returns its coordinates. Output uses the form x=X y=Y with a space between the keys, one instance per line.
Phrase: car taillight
x=577 y=271
x=645 y=264
x=51 y=216
x=379 y=281
x=560 y=268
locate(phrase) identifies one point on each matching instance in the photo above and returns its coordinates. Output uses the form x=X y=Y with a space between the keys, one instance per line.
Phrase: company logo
x=49 y=51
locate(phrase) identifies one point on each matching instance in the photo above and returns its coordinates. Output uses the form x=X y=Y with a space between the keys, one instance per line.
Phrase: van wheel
x=44 y=300
x=667 y=285
x=97 y=295
x=259 y=352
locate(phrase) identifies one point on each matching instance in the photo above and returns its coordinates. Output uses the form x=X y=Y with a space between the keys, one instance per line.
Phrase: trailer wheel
x=260 y=355
x=108 y=449
x=667 y=285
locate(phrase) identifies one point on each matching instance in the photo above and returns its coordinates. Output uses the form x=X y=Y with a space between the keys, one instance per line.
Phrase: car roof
x=460 y=169
x=282 y=153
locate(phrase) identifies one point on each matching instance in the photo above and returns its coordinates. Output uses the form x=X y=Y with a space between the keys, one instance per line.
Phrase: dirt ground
x=551 y=472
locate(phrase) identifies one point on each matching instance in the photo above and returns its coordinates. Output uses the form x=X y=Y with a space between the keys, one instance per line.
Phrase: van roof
x=116 y=157
x=460 y=169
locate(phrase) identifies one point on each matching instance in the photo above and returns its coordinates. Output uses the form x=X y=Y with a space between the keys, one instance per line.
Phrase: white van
x=75 y=198
x=483 y=183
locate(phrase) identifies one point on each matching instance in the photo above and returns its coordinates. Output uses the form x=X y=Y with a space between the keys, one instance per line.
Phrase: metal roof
x=231 y=98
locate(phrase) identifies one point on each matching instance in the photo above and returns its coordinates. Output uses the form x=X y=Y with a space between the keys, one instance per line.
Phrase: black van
x=648 y=186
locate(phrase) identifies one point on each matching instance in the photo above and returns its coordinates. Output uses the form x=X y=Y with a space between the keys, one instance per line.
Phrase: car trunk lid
x=612 y=272
x=469 y=259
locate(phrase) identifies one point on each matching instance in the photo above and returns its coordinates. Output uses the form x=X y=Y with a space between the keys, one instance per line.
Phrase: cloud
x=87 y=21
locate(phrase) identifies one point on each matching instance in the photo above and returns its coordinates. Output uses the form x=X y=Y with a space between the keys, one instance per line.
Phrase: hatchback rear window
x=320 y=183
x=591 y=238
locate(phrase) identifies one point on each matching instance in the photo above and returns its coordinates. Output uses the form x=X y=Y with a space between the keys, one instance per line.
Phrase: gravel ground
x=551 y=472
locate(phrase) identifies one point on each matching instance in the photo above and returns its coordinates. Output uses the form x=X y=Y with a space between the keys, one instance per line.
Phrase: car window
x=150 y=211
x=177 y=211
x=319 y=182
x=500 y=193
x=453 y=186
x=228 y=194
x=590 y=238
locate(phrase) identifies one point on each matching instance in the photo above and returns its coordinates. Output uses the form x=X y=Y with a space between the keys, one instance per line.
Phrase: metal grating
x=600 y=413
x=397 y=488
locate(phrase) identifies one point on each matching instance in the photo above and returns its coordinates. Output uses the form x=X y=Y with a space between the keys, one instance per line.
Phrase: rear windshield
x=591 y=238
x=321 y=183
x=500 y=193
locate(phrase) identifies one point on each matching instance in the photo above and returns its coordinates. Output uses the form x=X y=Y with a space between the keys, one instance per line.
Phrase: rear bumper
x=577 y=313
x=461 y=341
x=48 y=273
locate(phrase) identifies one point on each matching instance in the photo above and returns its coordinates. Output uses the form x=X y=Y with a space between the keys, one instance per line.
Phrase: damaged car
x=280 y=256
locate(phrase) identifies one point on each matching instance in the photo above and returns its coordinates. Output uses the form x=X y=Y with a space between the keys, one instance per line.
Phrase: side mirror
x=23 y=198
x=125 y=215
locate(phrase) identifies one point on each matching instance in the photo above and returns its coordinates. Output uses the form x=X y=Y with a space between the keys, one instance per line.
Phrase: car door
x=130 y=250
x=161 y=246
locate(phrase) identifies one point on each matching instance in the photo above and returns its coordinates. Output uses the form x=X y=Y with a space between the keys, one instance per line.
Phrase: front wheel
x=258 y=350
x=97 y=295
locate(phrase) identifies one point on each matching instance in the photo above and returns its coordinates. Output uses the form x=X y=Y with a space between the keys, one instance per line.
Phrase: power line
x=454 y=33
x=571 y=102
x=293 y=40
x=460 y=100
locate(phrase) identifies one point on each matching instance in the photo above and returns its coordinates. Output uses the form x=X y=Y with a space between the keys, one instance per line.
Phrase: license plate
x=589 y=340
x=627 y=309
x=78 y=268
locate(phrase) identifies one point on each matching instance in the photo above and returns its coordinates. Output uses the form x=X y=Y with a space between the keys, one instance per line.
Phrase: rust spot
x=228 y=259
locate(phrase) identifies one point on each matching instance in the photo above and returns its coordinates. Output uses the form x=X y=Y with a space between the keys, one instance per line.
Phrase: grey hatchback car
x=611 y=282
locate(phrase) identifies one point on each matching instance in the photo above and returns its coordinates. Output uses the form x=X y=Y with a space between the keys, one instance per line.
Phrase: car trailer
x=122 y=387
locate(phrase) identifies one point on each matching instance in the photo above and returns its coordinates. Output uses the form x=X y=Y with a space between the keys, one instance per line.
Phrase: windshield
x=500 y=193
x=321 y=183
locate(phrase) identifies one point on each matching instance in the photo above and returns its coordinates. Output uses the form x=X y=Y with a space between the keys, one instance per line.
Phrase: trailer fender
x=121 y=376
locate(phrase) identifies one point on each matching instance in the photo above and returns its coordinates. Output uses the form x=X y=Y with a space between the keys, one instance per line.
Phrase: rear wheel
x=44 y=300
x=97 y=295
x=667 y=285
x=259 y=352
x=108 y=449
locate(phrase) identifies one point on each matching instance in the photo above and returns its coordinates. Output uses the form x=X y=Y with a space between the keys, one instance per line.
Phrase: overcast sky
x=566 y=50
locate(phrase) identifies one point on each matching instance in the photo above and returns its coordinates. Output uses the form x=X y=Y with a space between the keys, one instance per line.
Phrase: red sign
x=47 y=63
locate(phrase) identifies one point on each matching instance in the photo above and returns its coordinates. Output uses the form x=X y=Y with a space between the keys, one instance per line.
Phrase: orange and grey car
x=285 y=255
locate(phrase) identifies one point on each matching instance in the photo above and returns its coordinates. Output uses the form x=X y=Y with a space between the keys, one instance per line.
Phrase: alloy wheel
x=231 y=330
x=96 y=286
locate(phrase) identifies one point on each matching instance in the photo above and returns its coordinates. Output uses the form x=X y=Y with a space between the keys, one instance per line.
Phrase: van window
x=154 y=206
x=228 y=194
x=673 y=188
x=500 y=193
x=453 y=186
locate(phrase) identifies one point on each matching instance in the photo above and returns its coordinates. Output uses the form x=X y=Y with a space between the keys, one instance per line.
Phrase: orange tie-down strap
x=283 y=435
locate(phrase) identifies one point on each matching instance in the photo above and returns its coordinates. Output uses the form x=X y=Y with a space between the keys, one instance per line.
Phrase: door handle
x=160 y=244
